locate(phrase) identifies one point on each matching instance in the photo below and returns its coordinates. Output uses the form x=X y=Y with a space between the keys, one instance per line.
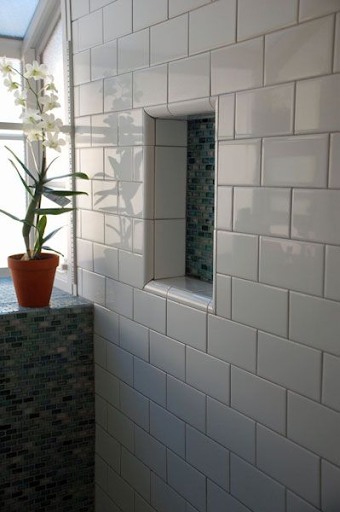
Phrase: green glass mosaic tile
x=200 y=198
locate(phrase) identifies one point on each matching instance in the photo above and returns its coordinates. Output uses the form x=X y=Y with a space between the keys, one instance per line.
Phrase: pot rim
x=48 y=260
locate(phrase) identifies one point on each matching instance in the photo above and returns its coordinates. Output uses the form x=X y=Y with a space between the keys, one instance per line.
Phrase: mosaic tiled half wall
x=47 y=408
x=200 y=198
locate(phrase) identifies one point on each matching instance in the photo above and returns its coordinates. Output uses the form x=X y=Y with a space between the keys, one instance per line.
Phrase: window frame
x=31 y=48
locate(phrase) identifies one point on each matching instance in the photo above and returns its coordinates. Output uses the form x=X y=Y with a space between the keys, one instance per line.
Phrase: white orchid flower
x=50 y=85
x=20 y=98
x=54 y=142
x=50 y=123
x=12 y=86
x=49 y=102
x=32 y=134
x=36 y=71
x=5 y=67
x=31 y=117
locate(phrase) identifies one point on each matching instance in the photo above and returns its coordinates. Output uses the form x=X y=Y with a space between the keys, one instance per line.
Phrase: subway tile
x=150 y=381
x=132 y=269
x=237 y=255
x=130 y=198
x=231 y=429
x=106 y=324
x=334 y=160
x=92 y=226
x=150 y=86
x=81 y=68
x=289 y=464
x=289 y=364
x=91 y=162
x=259 y=399
x=314 y=426
x=82 y=127
x=90 y=30
x=315 y=215
x=167 y=354
x=330 y=487
x=223 y=295
x=134 y=405
x=295 y=265
x=148 y=12
x=208 y=457
x=296 y=504
x=117 y=19
x=168 y=429
x=317 y=105
x=79 y=8
x=98 y=4
x=85 y=254
x=107 y=448
x=119 y=297
x=105 y=261
x=267 y=111
x=226 y=116
x=104 y=61
x=170 y=183
x=163 y=498
x=101 y=407
x=141 y=505
x=150 y=452
x=150 y=311
x=106 y=386
x=208 y=374
x=105 y=196
x=232 y=342
x=136 y=474
x=299 y=161
x=120 y=363
x=120 y=491
x=315 y=322
x=337 y=44
x=189 y=78
x=299 y=52
x=163 y=46
x=118 y=163
x=130 y=126
x=99 y=349
x=253 y=488
x=263 y=211
x=120 y=427
x=134 y=338
x=186 y=403
x=264 y=16
x=239 y=162
x=224 y=208
x=118 y=231
x=100 y=471
x=171 y=132
x=143 y=236
x=212 y=26
x=118 y=92
x=187 y=481
x=178 y=6
x=331 y=381
x=91 y=98
x=75 y=36
x=220 y=501
x=313 y=8
x=133 y=51
x=187 y=325
x=104 y=130
x=237 y=67
x=260 y=306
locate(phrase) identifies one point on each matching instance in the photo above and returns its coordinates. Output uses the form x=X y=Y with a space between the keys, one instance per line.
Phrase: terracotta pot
x=33 y=279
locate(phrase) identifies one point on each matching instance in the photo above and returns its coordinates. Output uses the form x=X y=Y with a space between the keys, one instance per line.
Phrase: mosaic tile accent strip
x=47 y=407
x=200 y=198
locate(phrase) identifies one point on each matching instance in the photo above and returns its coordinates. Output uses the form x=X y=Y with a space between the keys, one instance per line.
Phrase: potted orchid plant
x=34 y=270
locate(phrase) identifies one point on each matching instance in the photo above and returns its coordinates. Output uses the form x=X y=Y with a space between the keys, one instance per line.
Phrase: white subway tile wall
x=239 y=409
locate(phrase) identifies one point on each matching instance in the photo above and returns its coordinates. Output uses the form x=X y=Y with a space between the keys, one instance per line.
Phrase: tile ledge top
x=59 y=300
x=185 y=290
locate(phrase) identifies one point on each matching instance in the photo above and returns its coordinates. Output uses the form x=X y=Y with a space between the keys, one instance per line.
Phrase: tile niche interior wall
x=240 y=409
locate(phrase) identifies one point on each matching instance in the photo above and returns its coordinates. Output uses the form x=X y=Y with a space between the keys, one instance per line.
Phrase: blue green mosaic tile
x=46 y=405
x=200 y=198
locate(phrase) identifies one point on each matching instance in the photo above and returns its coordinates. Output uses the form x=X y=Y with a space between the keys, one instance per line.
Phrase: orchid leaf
x=80 y=175
x=21 y=178
x=23 y=221
x=46 y=248
x=66 y=193
x=52 y=211
x=22 y=165
x=50 y=235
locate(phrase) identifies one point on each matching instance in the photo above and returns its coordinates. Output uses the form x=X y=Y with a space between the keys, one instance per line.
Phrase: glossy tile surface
x=118 y=92
x=189 y=78
x=163 y=46
x=226 y=114
x=170 y=182
x=334 y=163
x=169 y=248
x=237 y=67
x=267 y=16
x=266 y=111
x=90 y=30
x=104 y=61
x=239 y=163
x=117 y=19
x=150 y=86
x=133 y=51
x=148 y=12
x=237 y=255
